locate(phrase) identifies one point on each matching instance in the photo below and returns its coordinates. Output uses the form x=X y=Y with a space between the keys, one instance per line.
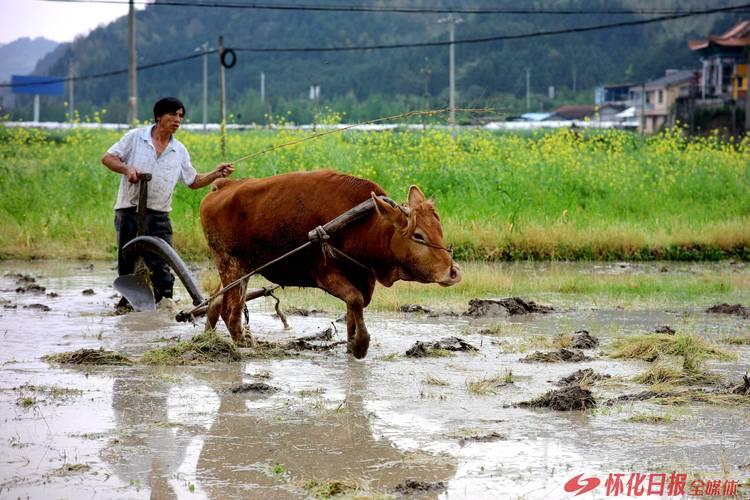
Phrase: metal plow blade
x=136 y=288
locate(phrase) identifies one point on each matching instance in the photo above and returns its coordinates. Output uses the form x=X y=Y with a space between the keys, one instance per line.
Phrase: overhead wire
x=397 y=10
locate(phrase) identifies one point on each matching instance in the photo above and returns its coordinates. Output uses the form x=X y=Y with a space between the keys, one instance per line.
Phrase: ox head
x=417 y=243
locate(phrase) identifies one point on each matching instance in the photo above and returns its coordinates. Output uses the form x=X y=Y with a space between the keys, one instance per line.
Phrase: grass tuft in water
x=205 y=347
x=651 y=419
x=653 y=346
x=740 y=340
x=664 y=374
x=485 y=386
x=432 y=380
x=698 y=396
x=89 y=357
x=328 y=489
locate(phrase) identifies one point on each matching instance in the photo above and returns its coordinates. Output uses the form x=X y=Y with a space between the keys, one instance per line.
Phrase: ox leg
x=358 y=339
x=232 y=302
x=213 y=313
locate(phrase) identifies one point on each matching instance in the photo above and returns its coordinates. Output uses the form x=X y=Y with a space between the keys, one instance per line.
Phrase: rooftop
x=737 y=36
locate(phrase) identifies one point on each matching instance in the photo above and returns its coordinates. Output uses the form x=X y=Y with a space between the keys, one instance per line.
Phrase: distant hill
x=20 y=56
x=368 y=84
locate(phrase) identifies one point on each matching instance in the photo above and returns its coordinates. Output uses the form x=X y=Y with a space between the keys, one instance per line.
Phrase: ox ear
x=416 y=196
x=387 y=211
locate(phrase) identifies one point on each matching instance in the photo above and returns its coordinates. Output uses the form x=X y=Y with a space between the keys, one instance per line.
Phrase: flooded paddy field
x=317 y=423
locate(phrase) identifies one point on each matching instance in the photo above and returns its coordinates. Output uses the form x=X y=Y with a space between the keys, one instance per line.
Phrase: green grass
x=204 y=347
x=644 y=289
x=651 y=419
x=652 y=347
x=554 y=195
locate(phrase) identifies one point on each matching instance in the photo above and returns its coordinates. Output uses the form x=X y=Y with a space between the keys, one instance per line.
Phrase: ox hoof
x=358 y=348
x=245 y=340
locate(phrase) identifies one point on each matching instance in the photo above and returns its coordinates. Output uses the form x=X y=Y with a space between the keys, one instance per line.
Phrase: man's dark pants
x=157 y=224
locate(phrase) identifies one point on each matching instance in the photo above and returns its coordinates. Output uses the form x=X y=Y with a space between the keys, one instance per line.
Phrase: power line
x=398 y=10
x=396 y=46
x=536 y=34
x=110 y=73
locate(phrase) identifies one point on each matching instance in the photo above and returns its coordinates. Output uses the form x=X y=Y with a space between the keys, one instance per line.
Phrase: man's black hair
x=167 y=105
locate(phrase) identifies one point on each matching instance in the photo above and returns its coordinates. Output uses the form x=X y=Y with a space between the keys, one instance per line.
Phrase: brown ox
x=252 y=221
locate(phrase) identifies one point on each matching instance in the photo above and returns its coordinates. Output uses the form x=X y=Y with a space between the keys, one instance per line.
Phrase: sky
x=57 y=21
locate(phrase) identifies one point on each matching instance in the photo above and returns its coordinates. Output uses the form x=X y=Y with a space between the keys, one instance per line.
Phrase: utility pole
x=71 y=92
x=132 y=77
x=452 y=22
x=575 y=83
x=643 y=109
x=205 y=85
x=314 y=95
x=222 y=107
x=262 y=87
x=528 y=90
x=426 y=95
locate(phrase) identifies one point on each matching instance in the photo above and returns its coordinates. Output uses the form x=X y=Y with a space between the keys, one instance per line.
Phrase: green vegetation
x=486 y=386
x=664 y=374
x=651 y=419
x=557 y=195
x=739 y=340
x=204 y=347
x=433 y=380
x=328 y=489
x=654 y=346
x=89 y=357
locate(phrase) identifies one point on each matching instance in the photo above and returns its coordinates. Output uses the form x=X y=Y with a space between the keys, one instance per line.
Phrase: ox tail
x=219 y=183
x=158 y=246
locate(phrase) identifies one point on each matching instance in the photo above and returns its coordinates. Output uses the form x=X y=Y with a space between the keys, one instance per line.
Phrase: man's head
x=167 y=105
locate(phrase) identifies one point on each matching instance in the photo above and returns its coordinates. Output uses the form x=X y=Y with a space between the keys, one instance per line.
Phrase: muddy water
x=180 y=432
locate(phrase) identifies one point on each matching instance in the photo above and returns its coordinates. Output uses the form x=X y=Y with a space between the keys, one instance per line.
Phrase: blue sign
x=40 y=85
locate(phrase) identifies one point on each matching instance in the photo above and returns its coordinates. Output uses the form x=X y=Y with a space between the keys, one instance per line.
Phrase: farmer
x=154 y=150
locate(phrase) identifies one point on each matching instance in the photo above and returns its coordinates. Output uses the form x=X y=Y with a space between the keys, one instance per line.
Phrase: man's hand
x=132 y=174
x=224 y=169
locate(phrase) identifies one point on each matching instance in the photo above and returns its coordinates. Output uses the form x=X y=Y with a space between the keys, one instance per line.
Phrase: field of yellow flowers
x=554 y=195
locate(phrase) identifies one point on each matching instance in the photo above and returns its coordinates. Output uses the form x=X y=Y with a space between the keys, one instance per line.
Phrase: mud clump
x=259 y=387
x=561 y=355
x=484 y=438
x=38 y=307
x=414 y=308
x=582 y=377
x=573 y=397
x=735 y=310
x=88 y=291
x=511 y=306
x=439 y=347
x=21 y=279
x=413 y=486
x=639 y=396
x=299 y=311
x=89 y=357
x=318 y=342
x=32 y=288
x=665 y=330
x=744 y=388
x=582 y=339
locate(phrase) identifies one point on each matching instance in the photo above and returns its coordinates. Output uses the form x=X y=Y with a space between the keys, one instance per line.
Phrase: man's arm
x=116 y=165
x=221 y=170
